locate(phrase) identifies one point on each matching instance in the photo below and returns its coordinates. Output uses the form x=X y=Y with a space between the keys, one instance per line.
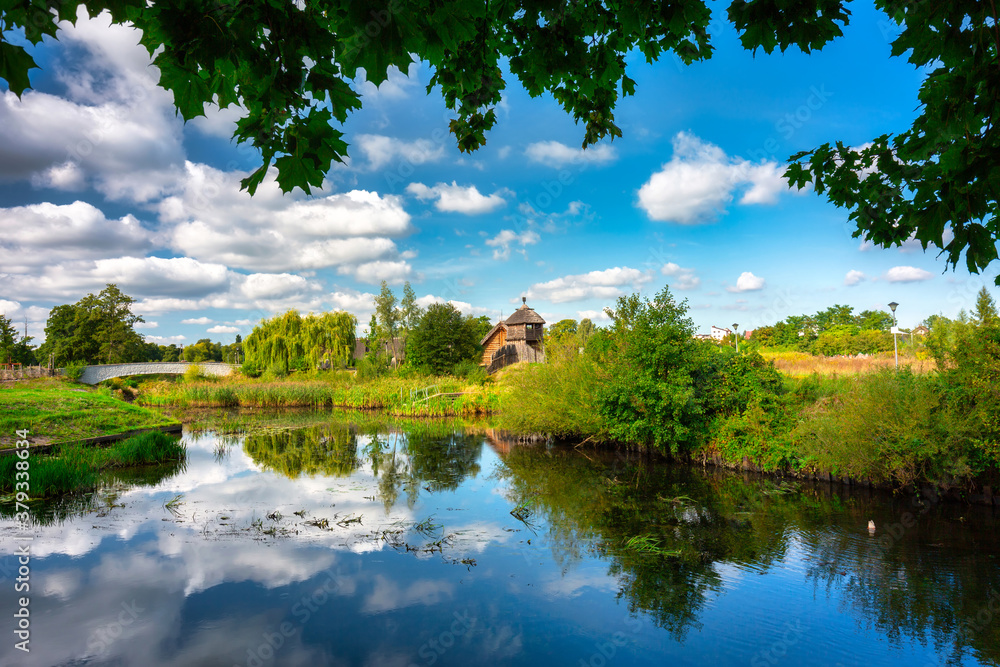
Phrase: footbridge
x=95 y=374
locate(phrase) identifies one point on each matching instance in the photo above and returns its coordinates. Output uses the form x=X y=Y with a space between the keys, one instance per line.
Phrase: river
x=441 y=543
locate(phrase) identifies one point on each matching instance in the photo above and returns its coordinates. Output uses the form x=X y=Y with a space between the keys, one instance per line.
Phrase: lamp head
x=892 y=306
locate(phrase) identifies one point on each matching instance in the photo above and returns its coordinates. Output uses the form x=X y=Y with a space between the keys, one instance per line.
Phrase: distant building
x=748 y=333
x=703 y=336
x=518 y=338
x=921 y=330
x=396 y=351
x=720 y=333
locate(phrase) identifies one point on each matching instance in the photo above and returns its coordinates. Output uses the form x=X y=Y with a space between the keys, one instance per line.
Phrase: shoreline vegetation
x=76 y=468
x=644 y=382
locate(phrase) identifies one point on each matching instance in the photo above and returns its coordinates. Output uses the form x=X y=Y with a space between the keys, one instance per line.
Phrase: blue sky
x=100 y=182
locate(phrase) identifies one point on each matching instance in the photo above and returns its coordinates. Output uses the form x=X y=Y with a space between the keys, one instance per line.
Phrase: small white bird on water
x=871 y=527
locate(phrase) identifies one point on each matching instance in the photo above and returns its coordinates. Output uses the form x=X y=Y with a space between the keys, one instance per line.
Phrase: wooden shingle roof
x=525 y=315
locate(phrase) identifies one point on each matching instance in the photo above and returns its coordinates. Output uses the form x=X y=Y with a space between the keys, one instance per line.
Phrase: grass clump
x=887 y=426
x=75 y=468
x=558 y=398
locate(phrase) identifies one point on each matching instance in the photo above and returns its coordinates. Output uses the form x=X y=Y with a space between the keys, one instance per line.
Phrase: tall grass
x=393 y=394
x=558 y=398
x=75 y=467
x=886 y=426
x=799 y=364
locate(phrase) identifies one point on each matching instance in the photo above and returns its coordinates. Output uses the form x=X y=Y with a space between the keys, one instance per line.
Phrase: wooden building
x=396 y=350
x=519 y=338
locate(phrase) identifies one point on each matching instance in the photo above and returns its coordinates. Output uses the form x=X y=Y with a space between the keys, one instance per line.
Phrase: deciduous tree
x=443 y=338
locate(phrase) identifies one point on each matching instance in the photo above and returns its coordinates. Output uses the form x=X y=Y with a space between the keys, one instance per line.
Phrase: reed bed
x=799 y=364
x=393 y=395
x=75 y=467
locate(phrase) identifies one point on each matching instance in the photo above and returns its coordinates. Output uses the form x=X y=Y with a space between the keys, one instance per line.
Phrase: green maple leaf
x=14 y=65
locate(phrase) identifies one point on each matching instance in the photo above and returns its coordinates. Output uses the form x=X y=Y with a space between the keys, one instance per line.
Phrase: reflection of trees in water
x=406 y=458
x=415 y=457
x=929 y=585
x=600 y=503
x=328 y=449
x=110 y=484
x=932 y=582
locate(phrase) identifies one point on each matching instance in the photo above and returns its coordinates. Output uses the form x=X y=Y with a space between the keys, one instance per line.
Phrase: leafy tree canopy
x=96 y=329
x=14 y=349
x=443 y=338
x=290 y=340
x=290 y=66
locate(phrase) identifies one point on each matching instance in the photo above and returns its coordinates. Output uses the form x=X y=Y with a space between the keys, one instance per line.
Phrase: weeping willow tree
x=290 y=339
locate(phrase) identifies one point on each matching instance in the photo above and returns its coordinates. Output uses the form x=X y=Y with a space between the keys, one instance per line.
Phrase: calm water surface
x=435 y=543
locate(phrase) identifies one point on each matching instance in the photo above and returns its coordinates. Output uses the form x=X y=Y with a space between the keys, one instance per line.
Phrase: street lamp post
x=895 y=330
x=736 y=331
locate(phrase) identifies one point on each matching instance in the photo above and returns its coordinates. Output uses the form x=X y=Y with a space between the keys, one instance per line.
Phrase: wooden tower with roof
x=519 y=338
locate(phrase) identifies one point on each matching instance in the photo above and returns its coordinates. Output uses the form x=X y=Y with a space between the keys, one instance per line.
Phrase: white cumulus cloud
x=507 y=237
x=854 y=277
x=685 y=278
x=907 y=274
x=198 y=320
x=40 y=235
x=747 y=282
x=455 y=198
x=700 y=180
x=222 y=329
x=380 y=150
x=556 y=154
x=606 y=284
x=210 y=219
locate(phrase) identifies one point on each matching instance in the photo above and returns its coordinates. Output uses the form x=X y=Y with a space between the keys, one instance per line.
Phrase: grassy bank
x=57 y=410
x=420 y=396
x=877 y=425
x=75 y=468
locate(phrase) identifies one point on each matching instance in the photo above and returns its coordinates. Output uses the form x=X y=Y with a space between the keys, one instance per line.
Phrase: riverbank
x=76 y=467
x=57 y=410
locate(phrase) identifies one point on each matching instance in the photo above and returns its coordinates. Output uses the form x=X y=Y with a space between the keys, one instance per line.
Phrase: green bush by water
x=74 y=468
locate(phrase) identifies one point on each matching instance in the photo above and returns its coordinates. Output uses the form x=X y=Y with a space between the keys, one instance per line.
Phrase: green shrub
x=471 y=371
x=193 y=373
x=274 y=372
x=74 y=370
x=76 y=468
x=558 y=398
x=372 y=366
x=251 y=370
x=890 y=426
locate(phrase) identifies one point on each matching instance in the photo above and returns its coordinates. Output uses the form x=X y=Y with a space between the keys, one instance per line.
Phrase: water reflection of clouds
x=571 y=584
x=388 y=595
